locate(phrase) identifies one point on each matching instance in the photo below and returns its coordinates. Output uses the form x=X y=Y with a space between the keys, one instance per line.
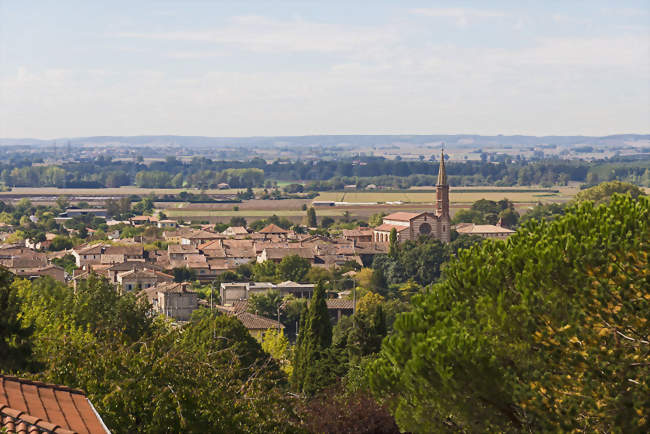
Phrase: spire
x=442 y=173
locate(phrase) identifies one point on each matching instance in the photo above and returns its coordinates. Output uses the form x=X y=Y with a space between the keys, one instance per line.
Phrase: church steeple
x=442 y=173
x=442 y=190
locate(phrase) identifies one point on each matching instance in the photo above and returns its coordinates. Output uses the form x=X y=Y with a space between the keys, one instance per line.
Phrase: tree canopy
x=546 y=331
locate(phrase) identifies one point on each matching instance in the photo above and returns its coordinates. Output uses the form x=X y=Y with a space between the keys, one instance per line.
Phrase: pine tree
x=311 y=218
x=314 y=339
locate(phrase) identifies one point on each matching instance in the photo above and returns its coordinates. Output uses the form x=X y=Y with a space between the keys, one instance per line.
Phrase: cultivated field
x=363 y=204
x=457 y=195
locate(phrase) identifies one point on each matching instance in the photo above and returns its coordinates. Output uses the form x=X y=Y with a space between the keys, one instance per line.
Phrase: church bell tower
x=442 y=202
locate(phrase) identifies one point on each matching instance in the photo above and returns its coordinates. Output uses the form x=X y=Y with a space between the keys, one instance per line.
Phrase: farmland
x=362 y=204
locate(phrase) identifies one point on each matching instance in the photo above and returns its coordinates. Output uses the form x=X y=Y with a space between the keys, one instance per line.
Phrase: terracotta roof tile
x=388 y=227
x=402 y=216
x=34 y=407
x=273 y=229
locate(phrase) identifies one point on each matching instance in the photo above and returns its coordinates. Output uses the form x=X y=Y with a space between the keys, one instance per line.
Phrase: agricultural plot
x=457 y=195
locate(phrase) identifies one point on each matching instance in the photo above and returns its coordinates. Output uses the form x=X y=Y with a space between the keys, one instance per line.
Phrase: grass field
x=415 y=196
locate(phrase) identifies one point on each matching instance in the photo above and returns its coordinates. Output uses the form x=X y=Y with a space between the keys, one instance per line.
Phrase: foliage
x=293 y=268
x=546 y=332
x=314 y=339
x=392 y=244
x=543 y=211
x=67 y=262
x=420 y=260
x=603 y=192
x=335 y=410
x=183 y=274
x=276 y=344
x=312 y=222
x=238 y=221
x=210 y=373
x=15 y=334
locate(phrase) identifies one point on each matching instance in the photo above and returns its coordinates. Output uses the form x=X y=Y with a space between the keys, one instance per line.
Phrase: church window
x=425 y=228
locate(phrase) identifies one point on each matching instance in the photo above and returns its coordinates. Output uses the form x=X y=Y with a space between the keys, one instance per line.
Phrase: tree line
x=202 y=172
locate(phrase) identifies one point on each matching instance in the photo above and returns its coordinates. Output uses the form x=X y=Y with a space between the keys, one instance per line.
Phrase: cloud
x=462 y=16
x=261 y=34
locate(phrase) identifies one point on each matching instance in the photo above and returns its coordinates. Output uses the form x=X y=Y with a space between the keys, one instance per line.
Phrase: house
x=88 y=254
x=54 y=271
x=167 y=224
x=371 y=187
x=143 y=220
x=274 y=229
x=276 y=254
x=112 y=271
x=234 y=231
x=410 y=226
x=74 y=212
x=362 y=235
x=338 y=308
x=35 y=407
x=223 y=186
x=195 y=238
x=237 y=291
x=107 y=254
x=178 y=252
x=486 y=231
x=257 y=325
x=174 y=300
x=142 y=279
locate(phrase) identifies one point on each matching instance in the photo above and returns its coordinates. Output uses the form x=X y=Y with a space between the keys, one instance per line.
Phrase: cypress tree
x=392 y=243
x=311 y=218
x=314 y=338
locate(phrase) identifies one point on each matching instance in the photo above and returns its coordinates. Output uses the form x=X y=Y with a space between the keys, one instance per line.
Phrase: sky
x=266 y=68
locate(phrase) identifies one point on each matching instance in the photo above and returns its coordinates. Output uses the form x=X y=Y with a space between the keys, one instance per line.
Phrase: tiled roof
x=36 y=407
x=387 y=228
x=402 y=216
x=273 y=229
x=256 y=322
x=281 y=252
x=339 y=303
x=357 y=232
x=236 y=230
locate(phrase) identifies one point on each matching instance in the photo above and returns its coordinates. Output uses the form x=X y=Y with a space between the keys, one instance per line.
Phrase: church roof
x=403 y=216
x=442 y=173
x=388 y=227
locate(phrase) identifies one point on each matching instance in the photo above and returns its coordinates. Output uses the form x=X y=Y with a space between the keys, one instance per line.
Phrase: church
x=410 y=225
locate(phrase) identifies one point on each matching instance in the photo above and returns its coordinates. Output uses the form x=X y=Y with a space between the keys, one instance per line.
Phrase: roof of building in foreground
x=34 y=407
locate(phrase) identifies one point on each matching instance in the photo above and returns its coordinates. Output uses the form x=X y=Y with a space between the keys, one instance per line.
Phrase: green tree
x=509 y=218
x=314 y=339
x=238 y=221
x=15 y=334
x=603 y=192
x=312 y=221
x=293 y=267
x=392 y=244
x=545 y=332
x=183 y=274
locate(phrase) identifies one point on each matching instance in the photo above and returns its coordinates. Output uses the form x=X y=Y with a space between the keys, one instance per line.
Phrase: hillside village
x=167 y=262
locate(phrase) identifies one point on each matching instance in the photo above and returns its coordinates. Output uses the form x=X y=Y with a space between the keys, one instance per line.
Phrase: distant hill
x=454 y=140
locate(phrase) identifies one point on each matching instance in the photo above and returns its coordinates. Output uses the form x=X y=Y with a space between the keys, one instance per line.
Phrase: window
x=443 y=228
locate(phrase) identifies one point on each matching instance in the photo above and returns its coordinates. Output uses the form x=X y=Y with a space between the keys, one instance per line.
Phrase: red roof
x=36 y=407
x=403 y=216
x=273 y=229
x=387 y=228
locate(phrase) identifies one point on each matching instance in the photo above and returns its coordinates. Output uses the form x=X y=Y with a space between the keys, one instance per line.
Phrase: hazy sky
x=245 y=68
